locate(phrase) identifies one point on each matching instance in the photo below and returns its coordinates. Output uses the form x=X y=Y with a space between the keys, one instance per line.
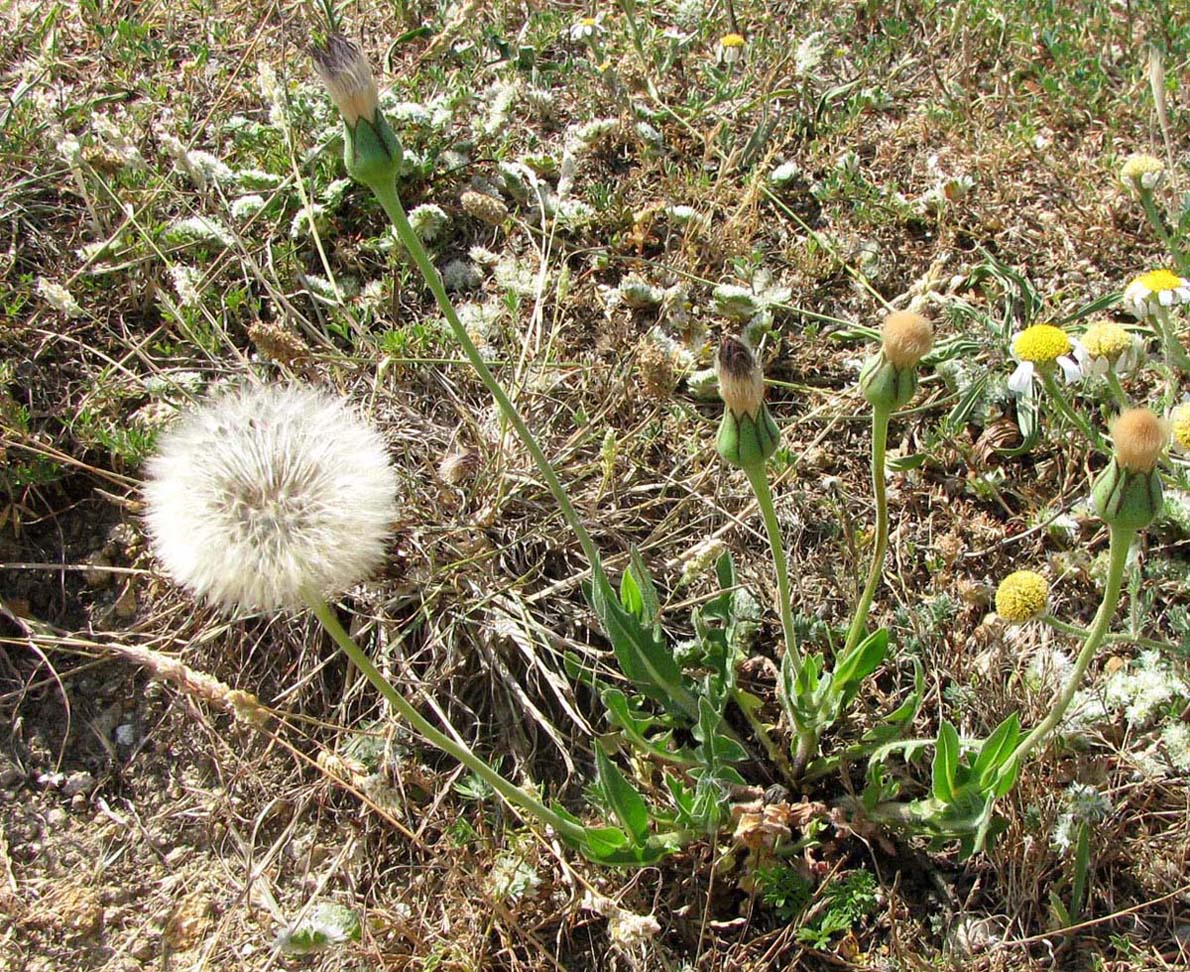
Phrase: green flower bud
x=889 y=379
x=1128 y=492
x=885 y=385
x=372 y=152
x=747 y=434
x=745 y=440
x=1127 y=499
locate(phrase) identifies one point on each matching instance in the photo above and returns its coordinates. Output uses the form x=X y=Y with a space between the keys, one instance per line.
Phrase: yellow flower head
x=1139 y=438
x=1021 y=596
x=1041 y=344
x=1159 y=280
x=588 y=21
x=731 y=40
x=1142 y=172
x=1106 y=339
x=908 y=338
x=1179 y=425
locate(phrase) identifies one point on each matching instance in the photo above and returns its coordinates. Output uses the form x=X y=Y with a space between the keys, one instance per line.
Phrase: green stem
x=1058 y=397
x=1121 y=638
x=1158 y=224
x=760 y=730
x=880 y=418
x=509 y=791
x=1175 y=354
x=387 y=195
x=1121 y=540
x=758 y=478
x=1117 y=390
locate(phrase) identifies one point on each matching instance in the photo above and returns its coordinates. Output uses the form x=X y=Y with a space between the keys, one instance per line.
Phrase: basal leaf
x=628 y=805
x=946 y=762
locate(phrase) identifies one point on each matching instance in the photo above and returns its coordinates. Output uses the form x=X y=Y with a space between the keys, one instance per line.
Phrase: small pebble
x=78 y=782
x=126 y=734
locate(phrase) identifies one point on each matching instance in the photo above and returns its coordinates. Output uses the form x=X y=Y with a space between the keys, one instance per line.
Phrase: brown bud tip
x=908 y=338
x=348 y=78
x=1139 y=437
x=741 y=385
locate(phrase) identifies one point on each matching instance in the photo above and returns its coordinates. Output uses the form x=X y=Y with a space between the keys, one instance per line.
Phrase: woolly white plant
x=263 y=496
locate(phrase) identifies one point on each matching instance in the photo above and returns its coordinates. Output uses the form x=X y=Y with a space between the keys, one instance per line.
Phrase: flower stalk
x=511 y=793
x=1120 y=540
x=880 y=420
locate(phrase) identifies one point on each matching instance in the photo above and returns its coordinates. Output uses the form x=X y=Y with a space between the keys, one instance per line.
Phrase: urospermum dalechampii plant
x=688 y=689
x=275 y=497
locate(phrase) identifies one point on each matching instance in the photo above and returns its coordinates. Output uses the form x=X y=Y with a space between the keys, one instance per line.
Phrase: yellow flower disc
x=1041 y=344
x=1021 y=596
x=1106 y=339
x=731 y=40
x=1158 y=280
x=1179 y=425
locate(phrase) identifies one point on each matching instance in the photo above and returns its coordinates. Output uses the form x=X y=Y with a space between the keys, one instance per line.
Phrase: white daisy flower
x=586 y=28
x=1155 y=290
x=1040 y=348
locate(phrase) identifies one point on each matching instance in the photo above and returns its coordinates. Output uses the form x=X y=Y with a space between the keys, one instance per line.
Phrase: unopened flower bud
x=1139 y=438
x=371 y=150
x=741 y=383
x=747 y=433
x=889 y=377
x=1128 y=492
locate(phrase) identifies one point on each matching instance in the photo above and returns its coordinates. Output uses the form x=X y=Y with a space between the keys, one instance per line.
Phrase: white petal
x=1071 y=371
x=1020 y=379
x=1165 y=297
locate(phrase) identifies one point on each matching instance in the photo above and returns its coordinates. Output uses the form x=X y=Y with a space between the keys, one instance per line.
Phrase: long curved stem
x=387 y=195
x=1058 y=397
x=512 y=793
x=758 y=478
x=1175 y=353
x=1158 y=224
x=880 y=418
x=1121 y=540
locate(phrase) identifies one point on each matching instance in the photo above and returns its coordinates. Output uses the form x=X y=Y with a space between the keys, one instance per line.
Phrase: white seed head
x=264 y=493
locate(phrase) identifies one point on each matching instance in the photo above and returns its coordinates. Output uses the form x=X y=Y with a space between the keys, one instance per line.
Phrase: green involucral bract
x=1131 y=500
x=746 y=441
x=885 y=385
x=372 y=151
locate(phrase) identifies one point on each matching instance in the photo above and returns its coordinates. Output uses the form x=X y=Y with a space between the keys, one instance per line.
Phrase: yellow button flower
x=1041 y=344
x=731 y=48
x=1022 y=596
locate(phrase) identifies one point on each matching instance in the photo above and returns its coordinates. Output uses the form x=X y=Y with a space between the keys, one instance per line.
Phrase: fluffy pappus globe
x=263 y=494
x=908 y=338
